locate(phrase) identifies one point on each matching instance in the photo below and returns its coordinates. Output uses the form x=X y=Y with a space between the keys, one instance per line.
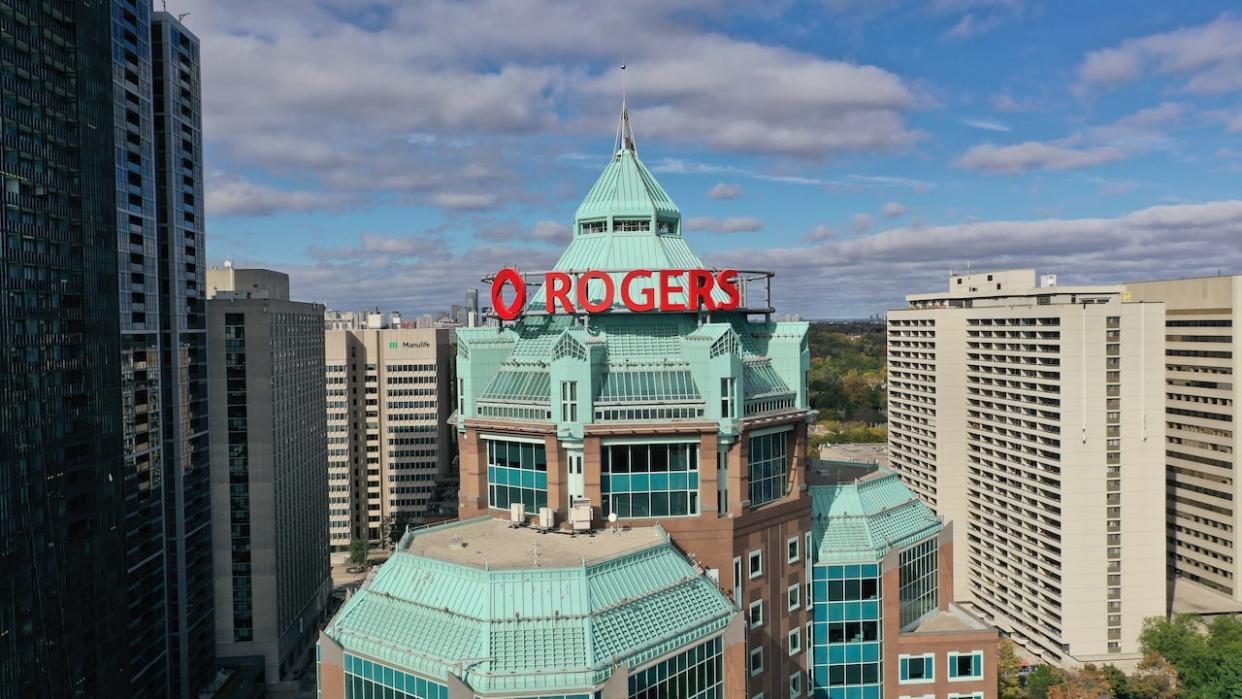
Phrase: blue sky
x=390 y=153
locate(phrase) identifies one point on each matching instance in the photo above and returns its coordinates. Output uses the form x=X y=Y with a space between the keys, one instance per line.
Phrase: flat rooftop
x=836 y=472
x=1191 y=598
x=494 y=544
x=951 y=620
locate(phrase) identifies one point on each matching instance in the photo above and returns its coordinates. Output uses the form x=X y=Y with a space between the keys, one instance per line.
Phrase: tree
x=1043 y=679
x=358 y=552
x=1008 y=669
x=1118 y=681
x=1088 y=683
x=1155 y=678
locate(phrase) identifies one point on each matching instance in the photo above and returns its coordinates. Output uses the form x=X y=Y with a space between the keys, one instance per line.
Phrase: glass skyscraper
x=62 y=494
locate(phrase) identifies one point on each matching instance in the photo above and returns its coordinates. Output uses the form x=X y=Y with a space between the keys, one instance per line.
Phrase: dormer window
x=666 y=227
x=631 y=225
x=595 y=227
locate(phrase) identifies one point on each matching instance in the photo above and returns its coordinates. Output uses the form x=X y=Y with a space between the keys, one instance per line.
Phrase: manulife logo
x=392 y=344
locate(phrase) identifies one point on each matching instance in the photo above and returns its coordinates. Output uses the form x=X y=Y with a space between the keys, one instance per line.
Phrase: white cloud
x=971 y=25
x=856 y=276
x=894 y=209
x=1208 y=57
x=733 y=224
x=725 y=191
x=1035 y=155
x=234 y=196
x=820 y=233
x=1007 y=103
x=861 y=224
x=987 y=125
x=465 y=201
x=1235 y=126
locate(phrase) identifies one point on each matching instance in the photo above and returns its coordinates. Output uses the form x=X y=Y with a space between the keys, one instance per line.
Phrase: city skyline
x=905 y=140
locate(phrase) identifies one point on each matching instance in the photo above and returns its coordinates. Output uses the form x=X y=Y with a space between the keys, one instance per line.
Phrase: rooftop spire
x=625 y=134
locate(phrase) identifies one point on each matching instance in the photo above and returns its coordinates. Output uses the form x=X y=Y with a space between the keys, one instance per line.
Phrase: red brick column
x=472 y=499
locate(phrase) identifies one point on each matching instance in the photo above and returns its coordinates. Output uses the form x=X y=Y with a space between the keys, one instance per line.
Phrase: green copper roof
x=534 y=629
x=862 y=520
x=627 y=189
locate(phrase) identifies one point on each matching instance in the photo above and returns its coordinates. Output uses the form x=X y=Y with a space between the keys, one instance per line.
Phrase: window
x=795 y=685
x=966 y=666
x=756 y=614
x=794 y=596
x=793 y=549
x=919 y=581
x=727 y=397
x=737 y=580
x=917 y=668
x=569 y=401
x=795 y=641
x=650 y=480
x=756 y=661
x=969 y=695
x=517 y=472
x=756 y=563
x=769 y=467
x=700 y=667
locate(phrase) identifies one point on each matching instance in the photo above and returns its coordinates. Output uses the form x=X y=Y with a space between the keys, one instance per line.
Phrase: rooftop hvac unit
x=547 y=518
x=517 y=513
x=580 y=514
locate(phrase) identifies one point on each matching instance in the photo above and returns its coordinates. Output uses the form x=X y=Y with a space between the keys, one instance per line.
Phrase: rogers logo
x=562 y=295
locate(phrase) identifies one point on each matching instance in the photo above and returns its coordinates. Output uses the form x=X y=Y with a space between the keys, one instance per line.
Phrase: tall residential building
x=63 y=614
x=138 y=290
x=1031 y=417
x=483 y=609
x=694 y=419
x=1201 y=364
x=389 y=396
x=177 y=108
x=269 y=491
x=885 y=624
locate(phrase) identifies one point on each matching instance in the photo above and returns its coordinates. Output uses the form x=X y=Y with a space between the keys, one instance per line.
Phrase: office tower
x=482 y=609
x=177 y=110
x=472 y=301
x=269 y=491
x=884 y=619
x=341 y=320
x=1032 y=419
x=141 y=320
x=63 y=610
x=1201 y=398
x=694 y=419
x=389 y=395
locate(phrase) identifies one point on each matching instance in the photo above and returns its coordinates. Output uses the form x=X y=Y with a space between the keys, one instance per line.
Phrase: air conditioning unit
x=580 y=514
x=547 y=518
x=517 y=513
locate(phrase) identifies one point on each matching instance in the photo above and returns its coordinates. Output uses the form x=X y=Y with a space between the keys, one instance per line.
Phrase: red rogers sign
x=563 y=295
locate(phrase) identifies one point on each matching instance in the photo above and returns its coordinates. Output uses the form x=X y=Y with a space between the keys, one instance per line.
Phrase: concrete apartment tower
x=1031 y=417
x=389 y=396
x=693 y=419
x=269 y=496
x=1201 y=393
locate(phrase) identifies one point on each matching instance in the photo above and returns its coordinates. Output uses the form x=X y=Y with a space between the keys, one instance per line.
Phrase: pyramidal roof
x=627 y=221
x=862 y=520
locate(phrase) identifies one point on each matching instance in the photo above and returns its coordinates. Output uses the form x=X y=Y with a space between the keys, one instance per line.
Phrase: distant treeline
x=846 y=381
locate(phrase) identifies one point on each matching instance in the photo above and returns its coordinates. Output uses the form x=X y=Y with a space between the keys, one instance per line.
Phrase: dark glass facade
x=62 y=495
x=177 y=117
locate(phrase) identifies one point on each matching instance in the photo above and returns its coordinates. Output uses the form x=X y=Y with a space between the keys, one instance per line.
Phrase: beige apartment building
x=389 y=395
x=1201 y=361
x=1031 y=416
x=268 y=490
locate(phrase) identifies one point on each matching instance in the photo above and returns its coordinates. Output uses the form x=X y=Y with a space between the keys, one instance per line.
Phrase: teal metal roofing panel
x=865 y=519
x=626 y=188
x=648 y=386
x=760 y=379
x=537 y=630
x=515 y=385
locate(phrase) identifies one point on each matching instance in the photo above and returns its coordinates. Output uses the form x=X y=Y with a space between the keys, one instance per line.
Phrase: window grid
x=650 y=480
x=845 y=635
x=966 y=666
x=919 y=581
x=696 y=673
x=364 y=678
x=769 y=467
x=517 y=472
